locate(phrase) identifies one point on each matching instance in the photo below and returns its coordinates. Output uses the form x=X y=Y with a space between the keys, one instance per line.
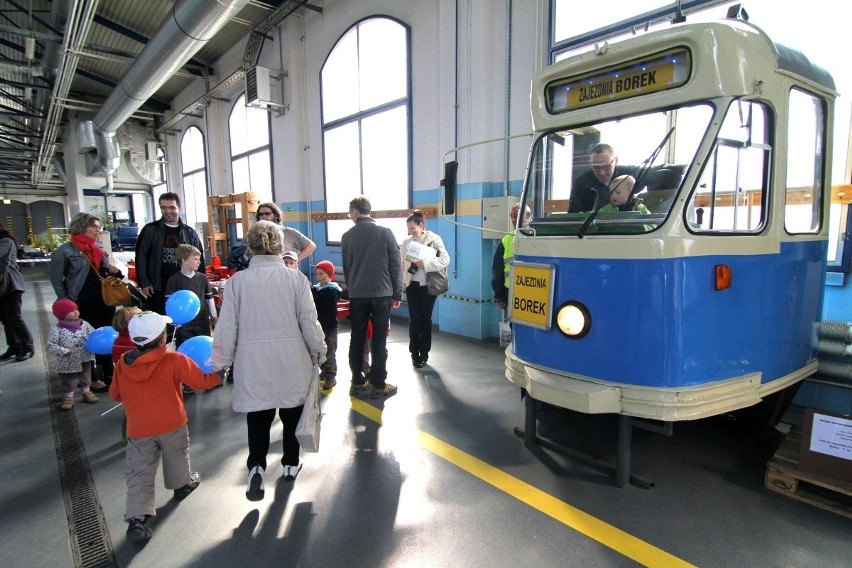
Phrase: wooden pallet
x=784 y=476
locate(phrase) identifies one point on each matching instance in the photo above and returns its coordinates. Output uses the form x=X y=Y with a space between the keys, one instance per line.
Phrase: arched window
x=366 y=110
x=250 y=152
x=194 y=165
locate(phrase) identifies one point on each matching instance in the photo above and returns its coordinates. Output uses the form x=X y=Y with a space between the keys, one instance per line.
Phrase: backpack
x=239 y=257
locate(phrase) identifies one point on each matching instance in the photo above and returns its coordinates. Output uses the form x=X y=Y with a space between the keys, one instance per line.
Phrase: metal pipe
x=191 y=24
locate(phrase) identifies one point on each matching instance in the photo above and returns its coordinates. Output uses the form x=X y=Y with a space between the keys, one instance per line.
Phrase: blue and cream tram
x=705 y=302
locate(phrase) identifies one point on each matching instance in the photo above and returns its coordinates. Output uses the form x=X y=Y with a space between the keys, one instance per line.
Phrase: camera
x=412 y=269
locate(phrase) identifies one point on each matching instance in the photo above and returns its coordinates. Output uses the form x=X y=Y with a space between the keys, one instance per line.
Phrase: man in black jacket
x=155 y=251
x=603 y=167
x=373 y=270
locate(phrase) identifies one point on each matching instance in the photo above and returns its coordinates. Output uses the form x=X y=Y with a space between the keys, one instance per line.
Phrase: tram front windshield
x=633 y=192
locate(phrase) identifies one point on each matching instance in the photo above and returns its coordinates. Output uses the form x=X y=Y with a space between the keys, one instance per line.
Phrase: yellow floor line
x=606 y=534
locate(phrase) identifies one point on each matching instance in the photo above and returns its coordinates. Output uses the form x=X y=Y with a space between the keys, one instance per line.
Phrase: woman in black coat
x=18 y=336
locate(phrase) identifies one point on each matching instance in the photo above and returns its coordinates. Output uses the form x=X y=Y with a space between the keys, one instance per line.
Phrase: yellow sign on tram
x=655 y=73
x=531 y=294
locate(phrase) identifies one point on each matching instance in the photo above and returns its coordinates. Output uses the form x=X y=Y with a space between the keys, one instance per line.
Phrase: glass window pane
x=260 y=173
x=192 y=150
x=383 y=60
x=804 y=162
x=732 y=193
x=571 y=18
x=337 y=228
x=195 y=198
x=240 y=171
x=237 y=127
x=257 y=124
x=384 y=143
x=339 y=79
x=342 y=167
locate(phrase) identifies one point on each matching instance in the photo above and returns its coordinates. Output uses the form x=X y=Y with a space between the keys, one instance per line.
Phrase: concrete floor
x=434 y=476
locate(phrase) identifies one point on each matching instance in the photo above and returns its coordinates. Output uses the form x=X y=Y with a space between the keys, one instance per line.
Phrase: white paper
x=415 y=251
x=832 y=435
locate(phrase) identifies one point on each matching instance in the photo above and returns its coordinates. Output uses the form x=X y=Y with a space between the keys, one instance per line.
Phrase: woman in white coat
x=423 y=252
x=268 y=332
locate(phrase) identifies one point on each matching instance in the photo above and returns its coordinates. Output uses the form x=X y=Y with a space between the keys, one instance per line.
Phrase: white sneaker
x=291 y=471
x=254 y=487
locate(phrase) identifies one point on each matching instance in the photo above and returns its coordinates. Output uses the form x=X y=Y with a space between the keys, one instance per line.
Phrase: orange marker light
x=723 y=276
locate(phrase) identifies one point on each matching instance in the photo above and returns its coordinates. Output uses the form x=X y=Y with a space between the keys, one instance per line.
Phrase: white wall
x=301 y=45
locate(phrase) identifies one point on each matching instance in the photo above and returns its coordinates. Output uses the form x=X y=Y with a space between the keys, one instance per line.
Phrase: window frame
x=252 y=152
x=359 y=116
x=186 y=175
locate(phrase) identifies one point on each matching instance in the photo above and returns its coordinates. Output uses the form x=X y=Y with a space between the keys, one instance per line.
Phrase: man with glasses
x=603 y=167
x=293 y=240
x=156 y=246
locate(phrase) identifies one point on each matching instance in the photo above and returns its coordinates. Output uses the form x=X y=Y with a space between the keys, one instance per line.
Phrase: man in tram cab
x=156 y=249
x=603 y=167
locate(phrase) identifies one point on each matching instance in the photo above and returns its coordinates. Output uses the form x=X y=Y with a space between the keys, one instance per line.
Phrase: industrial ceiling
x=65 y=56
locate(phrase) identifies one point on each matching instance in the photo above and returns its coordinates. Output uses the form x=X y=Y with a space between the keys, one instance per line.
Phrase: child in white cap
x=147 y=381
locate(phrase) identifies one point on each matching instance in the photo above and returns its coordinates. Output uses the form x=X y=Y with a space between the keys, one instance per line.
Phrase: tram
x=705 y=300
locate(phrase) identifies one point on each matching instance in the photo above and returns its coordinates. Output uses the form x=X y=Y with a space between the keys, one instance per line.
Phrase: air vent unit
x=258 y=87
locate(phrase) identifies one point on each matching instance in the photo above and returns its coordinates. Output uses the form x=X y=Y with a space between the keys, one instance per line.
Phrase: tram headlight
x=573 y=320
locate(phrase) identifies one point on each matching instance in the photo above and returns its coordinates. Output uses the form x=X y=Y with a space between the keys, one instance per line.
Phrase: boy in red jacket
x=147 y=380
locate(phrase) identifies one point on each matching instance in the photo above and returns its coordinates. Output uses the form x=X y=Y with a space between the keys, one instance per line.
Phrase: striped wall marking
x=471 y=300
x=604 y=533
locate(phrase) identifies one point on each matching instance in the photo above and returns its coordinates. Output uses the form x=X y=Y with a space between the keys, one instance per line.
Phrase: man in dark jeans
x=373 y=272
x=156 y=248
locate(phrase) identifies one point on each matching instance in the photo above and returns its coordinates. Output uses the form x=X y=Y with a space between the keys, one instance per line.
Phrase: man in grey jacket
x=373 y=272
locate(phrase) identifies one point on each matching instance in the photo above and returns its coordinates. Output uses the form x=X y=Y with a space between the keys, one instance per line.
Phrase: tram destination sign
x=531 y=294
x=659 y=72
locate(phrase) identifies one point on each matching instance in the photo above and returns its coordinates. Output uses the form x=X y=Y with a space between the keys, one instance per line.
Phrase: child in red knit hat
x=73 y=361
x=326 y=294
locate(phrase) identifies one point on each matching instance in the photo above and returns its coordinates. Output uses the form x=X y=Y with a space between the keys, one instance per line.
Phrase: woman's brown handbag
x=113 y=291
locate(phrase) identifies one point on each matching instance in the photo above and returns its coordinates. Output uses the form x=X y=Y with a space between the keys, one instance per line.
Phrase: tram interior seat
x=666 y=176
x=658 y=201
x=659 y=186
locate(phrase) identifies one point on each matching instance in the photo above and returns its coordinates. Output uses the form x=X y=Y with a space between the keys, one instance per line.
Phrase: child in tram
x=73 y=361
x=326 y=295
x=621 y=197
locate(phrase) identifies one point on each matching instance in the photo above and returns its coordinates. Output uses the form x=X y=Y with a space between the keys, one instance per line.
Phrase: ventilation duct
x=191 y=24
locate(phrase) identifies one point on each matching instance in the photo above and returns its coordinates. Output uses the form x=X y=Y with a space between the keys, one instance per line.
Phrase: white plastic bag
x=308 y=429
x=505 y=334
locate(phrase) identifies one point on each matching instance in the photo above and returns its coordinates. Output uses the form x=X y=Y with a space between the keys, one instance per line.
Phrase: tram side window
x=805 y=140
x=732 y=193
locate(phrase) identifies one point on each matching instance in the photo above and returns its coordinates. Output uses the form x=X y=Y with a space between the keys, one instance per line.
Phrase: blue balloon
x=182 y=306
x=101 y=340
x=200 y=350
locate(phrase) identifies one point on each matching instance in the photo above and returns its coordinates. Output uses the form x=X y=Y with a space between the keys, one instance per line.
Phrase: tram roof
x=795 y=61
x=729 y=56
